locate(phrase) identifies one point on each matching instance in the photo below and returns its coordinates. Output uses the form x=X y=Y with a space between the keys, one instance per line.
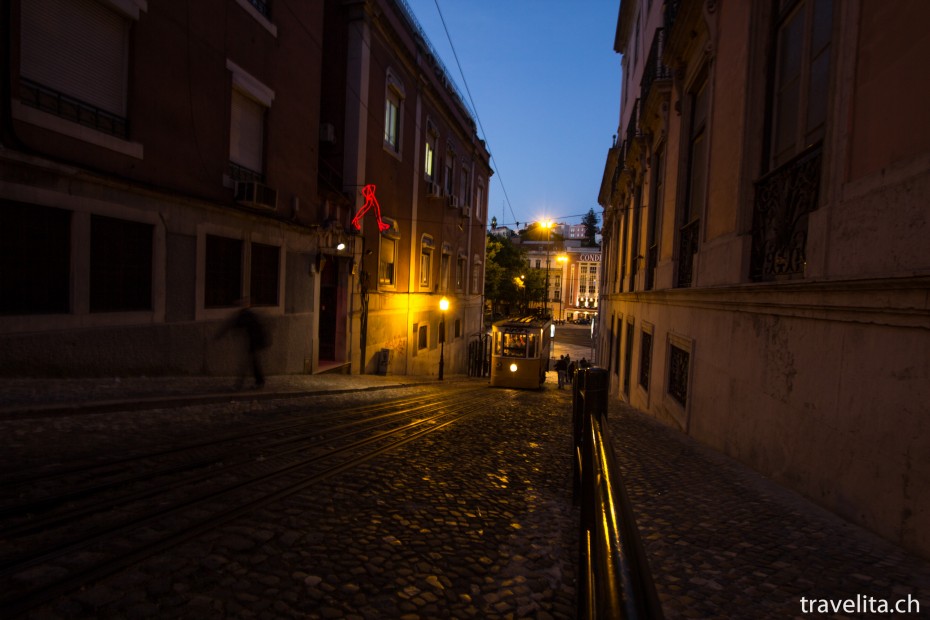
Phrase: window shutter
x=246 y=134
x=79 y=48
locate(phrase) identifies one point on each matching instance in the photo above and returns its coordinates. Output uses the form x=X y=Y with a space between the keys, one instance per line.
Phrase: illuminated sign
x=370 y=201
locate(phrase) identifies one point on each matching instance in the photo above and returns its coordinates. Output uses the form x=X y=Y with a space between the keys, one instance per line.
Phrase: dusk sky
x=546 y=84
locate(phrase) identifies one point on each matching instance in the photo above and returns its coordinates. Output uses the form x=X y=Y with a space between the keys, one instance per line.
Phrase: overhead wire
x=474 y=108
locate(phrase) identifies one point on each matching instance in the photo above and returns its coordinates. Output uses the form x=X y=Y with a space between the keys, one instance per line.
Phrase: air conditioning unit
x=466 y=211
x=328 y=133
x=253 y=194
x=453 y=201
x=433 y=189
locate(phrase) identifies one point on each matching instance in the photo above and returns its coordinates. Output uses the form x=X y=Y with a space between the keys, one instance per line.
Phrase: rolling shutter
x=79 y=48
x=246 y=133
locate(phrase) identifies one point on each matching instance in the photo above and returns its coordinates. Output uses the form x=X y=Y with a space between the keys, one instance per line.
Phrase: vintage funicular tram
x=520 y=352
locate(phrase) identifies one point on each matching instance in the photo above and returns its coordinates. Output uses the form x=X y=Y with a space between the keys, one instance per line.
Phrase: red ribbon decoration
x=370 y=201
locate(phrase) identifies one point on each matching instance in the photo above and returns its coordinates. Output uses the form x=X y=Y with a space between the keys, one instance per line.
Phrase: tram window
x=514 y=345
x=531 y=352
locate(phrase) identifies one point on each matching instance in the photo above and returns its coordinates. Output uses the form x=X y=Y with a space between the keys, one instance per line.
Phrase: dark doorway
x=328 y=304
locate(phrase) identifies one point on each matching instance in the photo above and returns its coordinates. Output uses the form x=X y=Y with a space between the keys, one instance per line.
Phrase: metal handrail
x=614 y=577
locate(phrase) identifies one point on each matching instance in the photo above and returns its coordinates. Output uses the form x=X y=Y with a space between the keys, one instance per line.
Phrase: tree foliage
x=504 y=264
x=590 y=222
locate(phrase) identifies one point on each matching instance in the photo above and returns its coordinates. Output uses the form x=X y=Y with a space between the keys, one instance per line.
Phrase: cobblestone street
x=473 y=520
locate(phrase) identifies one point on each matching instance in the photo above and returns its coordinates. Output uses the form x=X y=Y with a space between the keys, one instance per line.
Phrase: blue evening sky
x=546 y=84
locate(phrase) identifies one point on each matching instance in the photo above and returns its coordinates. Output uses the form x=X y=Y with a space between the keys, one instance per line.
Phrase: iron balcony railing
x=54 y=102
x=655 y=69
x=614 y=581
x=687 y=248
x=784 y=198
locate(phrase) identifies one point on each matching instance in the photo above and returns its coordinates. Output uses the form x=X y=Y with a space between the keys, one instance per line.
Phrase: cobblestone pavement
x=724 y=542
x=473 y=521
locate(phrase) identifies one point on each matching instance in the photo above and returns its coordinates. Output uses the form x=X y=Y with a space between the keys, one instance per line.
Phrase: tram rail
x=101 y=529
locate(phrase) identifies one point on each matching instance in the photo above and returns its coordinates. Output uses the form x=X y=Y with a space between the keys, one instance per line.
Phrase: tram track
x=127 y=528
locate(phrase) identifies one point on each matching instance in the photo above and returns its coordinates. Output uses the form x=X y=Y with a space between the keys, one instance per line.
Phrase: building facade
x=161 y=161
x=765 y=276
x=407 y=156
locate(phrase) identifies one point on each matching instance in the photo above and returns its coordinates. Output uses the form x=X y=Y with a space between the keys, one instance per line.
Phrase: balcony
x=784 y=198
x=54 y=102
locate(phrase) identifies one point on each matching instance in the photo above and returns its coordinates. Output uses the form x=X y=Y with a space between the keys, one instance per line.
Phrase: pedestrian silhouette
x=257 y=340
x=561 y=368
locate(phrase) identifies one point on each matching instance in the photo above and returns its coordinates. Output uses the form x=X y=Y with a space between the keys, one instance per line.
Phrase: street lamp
x=562 y=258
x=548 y=224
x=443 y=306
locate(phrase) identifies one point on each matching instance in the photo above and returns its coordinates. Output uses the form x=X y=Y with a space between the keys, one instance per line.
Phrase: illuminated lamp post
x=548 y=224
x=443 y=306
x=562 y=258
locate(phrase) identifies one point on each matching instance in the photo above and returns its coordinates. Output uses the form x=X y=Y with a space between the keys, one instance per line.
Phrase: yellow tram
x=520 y=352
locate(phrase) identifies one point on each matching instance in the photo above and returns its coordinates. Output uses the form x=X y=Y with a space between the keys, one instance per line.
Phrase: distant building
x=765 y=266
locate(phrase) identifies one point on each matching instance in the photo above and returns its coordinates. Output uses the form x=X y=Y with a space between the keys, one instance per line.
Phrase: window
x=466 y=186
x=693 y=205
x=429 y=156
x=628 y=358
x=444 y=265
x=74 y=61
x=392 y=121
x=393 y=113
x=476 y=274
x=479 y=201
x=449 y=180
x=386 y=262
x=645 y=359
x=263 y=281
x=679 y=361
x=426 y=260
x=460 y=273
x=35 y=259
x=223 y=273
x=120 y=265
x=422 y=337
x=802 y=72
x=250 y=100
x=458 y=328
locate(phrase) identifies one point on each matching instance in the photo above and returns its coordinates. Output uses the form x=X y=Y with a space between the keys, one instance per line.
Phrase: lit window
x=392 y=120
x=386 y=262
x=393 y=113
x=426 y=260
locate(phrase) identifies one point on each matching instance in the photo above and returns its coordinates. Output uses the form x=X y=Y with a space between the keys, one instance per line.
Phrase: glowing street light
x=561 y=258
x=548 y=224
x=443 y=307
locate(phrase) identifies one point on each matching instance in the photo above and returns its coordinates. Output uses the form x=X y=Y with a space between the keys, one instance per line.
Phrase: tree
x=504 y=264
x=590 y=222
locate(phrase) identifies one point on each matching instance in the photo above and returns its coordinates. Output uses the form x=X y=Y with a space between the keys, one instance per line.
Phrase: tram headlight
x=513 y=368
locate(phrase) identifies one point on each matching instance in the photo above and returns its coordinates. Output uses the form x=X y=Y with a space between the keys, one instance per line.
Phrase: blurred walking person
x=256 y=335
